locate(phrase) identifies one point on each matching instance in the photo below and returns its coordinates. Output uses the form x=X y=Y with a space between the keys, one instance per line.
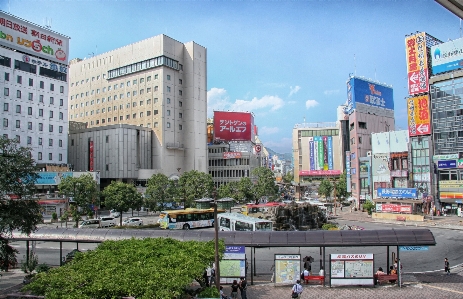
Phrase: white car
x=134 y=221
x=114 y=214
x=107 y=221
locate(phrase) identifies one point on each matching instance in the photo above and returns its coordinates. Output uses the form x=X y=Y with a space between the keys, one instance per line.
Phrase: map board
x=287 y=268
x=233 y=264
x=351 y=269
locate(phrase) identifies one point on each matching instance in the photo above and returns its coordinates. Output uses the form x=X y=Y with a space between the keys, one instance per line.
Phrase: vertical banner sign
x=348 y=171
x=320 y=153
x=417 y=63
x=90 y=153
x=330 y=153
x=312 y=162
x=315 y=150
x=419 y=120
x=325 y=152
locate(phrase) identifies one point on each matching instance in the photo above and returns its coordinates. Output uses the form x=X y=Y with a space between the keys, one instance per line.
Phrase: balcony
x=175 y=146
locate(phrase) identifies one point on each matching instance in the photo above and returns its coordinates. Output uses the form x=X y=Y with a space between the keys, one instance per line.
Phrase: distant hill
x=284 y=157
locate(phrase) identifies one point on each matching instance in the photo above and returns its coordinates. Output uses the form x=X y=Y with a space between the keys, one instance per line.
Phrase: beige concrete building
x=157 y=83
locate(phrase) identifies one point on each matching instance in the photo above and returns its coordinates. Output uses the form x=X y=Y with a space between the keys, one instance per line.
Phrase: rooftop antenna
x=48 y=23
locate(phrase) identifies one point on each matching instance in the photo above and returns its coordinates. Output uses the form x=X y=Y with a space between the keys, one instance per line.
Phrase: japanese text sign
x=419 y=119
x=447 y=56
x=417 y=63
x=340 y=256
x=232 y=155
x=230 y=126
x=397 y=192
x=360 y=91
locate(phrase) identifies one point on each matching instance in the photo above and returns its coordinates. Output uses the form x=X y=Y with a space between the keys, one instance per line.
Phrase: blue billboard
x=447 y=164
x=361 y=91
x=51 y=178
x=397 y=192
x=447 y=56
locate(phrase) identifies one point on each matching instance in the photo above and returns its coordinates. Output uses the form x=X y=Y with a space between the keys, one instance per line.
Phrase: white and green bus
x=240 y=222
x=188 y=218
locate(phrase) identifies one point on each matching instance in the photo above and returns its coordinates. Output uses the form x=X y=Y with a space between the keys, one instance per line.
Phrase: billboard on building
x=447 y=56
x=417 y=63
x=233 y=126
x=348 y=180
x=321 y=153
x=419 y=118
x=33 y=39
x=380 y=168
x=390 y=142
x=361 y=91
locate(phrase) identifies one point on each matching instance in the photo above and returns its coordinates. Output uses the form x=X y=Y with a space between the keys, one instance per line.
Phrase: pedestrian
x=447 y=266
x=243 y=287
x=209 y=275
x=341 y=207
x=206 y=279
x=222 y=294
x=296 y=291
x=234 y=287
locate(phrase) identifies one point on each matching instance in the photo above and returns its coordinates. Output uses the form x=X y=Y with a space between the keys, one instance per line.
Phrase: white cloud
x=268 y=131
x=331 y=92
x=310 y=104
x=293 y=90
x=217 y=99
x=272 y=102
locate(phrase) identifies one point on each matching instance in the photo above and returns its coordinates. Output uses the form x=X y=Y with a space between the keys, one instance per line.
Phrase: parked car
x=90 y=223
x=107 y=221
x=114 y=214
x=134 y=221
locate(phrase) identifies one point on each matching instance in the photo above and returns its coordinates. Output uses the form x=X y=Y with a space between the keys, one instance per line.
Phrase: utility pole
x=216 y=243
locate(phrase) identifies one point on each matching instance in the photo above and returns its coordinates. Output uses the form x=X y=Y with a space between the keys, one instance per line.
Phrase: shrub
x=42 y=268
x=329 y=226
x=209 y=292
x=54 y=216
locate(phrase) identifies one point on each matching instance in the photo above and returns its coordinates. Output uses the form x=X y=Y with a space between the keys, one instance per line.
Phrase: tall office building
x=157 y=83
x=33 y=76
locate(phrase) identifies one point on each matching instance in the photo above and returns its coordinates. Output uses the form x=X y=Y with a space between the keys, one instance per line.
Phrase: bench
x=385 y=278
x=401 y=218
x=316 y=278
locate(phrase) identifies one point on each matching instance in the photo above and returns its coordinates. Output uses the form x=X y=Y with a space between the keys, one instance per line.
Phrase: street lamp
x=216 y=243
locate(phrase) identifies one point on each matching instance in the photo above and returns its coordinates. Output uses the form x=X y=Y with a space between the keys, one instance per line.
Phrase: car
x=107 y=222
x=134 y=221
x=90 y=223
x=114 y=214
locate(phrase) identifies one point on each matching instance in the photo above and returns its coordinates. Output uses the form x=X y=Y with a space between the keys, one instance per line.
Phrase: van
x=91 y=223
x=107 y=221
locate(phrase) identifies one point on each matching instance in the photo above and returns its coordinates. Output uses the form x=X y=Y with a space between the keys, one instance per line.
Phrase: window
x=107 y=167
x=148 y=101
x=29 y=110
x=61 y=102
x=121 y=117
x=180 y=92
x=180 y=103
x=107 y=138
x=98 y=77
x=180 y=115
x=50 y=156
x=42 y=84
x=18 y=108
x=50 y=128
x=40 y=127
x=156 y=88
x=168 y=125
x=60 y=129
x=148 y=113
x=40 y=112
x=97 y=121
x=351 y=127
x=142 y=80
x=60 y=157
x=128 y=83
x=52 y=87
x=18 y=124
x=7 y=76
x=31 y=95
x=362 y=125
x=29 y=125
x=51 y=114
x=50 y=142
x=128 y=94
x=141 y=114
x=134 y=82
x=31 y=82
x=29 y=140
x=168 y=112
x=19 y=79
x=168 y=100
x=134 y=115
x=39 y=156
x=148 y=79
x=168 y=88
x=61 y=89
x=52 y=101
x=115 y=118
x=148 y=90
x=5 y=122
x=134 y=104
x=141 y=103
x=156 y=124
x=142 y=91
x=41 y=98
x=5 y=106
x=180 y=127
x=156 y=76
x=360 y=140
x=180 y=81
x=40 y=141
x=168 y=77
x=72 y=142
x=127 y=116
x=18 y=94
x=155 y=112
x=6 y=91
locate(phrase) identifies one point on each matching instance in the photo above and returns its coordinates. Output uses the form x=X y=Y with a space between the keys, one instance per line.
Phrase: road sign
x=413 y=248
x=258 y=148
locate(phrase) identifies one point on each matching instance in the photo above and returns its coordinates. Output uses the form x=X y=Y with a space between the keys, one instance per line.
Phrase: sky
x=285 y=61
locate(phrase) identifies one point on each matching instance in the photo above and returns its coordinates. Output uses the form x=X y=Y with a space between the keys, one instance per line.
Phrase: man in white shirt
x=306 y=273
x=297 y=289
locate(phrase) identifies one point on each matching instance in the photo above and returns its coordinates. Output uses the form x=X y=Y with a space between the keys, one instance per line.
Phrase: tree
x=141 y=268
x=229 y=190
x=325 y=188
x=288 y=178
x=341 y=187
x=265 y=185
x=7 y=255
x=246 y=189
x=159 y=191
x=121 y=197
x=83 y=190
x=195 y=185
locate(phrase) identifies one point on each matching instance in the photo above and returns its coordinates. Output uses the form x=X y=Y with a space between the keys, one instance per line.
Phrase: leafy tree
x=121 y=197
x=265 y=185
x=159 y=191
x=341 y=187
x=369 y=206
x=246 y=189
x=288 y=178
x=83 y=191
x=325 y=188
x=141 y=268
x=229 y=190
x=195 y=185
x=29 y=264
x=7 y=255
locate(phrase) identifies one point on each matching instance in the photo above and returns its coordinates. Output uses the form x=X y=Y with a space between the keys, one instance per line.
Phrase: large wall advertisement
x=417 y=63
x=419 y=118
x=321 y=153
x=360 y=91
x=32 y=39
x=447 y=56
x=380 y=168
x=233 y=126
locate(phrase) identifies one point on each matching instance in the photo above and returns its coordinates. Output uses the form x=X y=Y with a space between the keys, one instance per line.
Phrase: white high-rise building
x=34 y=88
x=157 y=83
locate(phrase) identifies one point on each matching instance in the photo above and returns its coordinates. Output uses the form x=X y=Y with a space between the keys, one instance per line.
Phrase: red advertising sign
x=319 y=172
x=396 y=208
x=417 y=63
x=419 y=118
x=233 y=126
x=90 y=158
x=231 y=155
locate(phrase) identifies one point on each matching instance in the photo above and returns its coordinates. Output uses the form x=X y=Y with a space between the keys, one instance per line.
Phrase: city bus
x=188 y=218
x=260 y=209
x=240 y=222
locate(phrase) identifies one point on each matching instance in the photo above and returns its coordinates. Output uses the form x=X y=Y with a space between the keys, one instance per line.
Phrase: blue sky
x=282 y=60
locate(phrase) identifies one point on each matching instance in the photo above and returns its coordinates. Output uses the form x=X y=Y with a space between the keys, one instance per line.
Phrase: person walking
x=243 y=287
x=446 y=266
x=296 y=291
x=234 y=287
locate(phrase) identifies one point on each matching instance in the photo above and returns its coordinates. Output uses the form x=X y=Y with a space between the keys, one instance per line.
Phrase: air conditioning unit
x=369 y=154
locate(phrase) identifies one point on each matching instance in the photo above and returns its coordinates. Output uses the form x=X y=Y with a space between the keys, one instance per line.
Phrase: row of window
x=128 y=94
x=121 y=85
x=121 y=118
x=55 y=71
x=19 y=80
x=134 y=115
x=134 y=104
x=144 y=65
x=39 y=154
x=30 y=97
x=30 y=125
x=6 y=108
x=314 y=133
